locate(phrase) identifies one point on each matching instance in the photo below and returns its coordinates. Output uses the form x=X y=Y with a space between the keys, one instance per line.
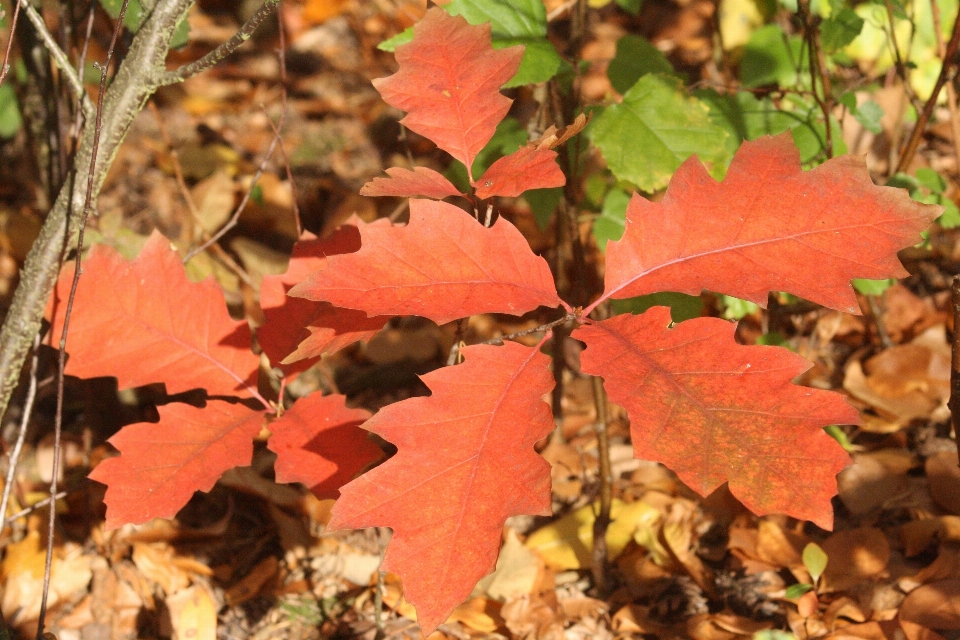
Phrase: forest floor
x=254 y=557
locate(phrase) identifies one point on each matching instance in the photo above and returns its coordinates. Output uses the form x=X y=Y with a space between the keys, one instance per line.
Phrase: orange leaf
x=443 y=265
x=142 y=321
x=465 y=463
x=161 y=464
x=319 y=443
x=525 y=169
x=421 y=182
x=767 y=227
x=715 y=411
x=449 y=83
x=291 y=321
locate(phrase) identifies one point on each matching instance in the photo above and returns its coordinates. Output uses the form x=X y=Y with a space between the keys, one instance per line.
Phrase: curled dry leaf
x=420 y=182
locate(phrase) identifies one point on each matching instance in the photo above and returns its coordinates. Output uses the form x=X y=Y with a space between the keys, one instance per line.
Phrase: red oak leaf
x=449 y=81
x=715 y=411
x=443 y=265
x=522 y=170
x=320 y=444
x=465 y=463
x=142 y=321
x=767 y=227
x=296 y=328
x=162 y=464
x=421 y=182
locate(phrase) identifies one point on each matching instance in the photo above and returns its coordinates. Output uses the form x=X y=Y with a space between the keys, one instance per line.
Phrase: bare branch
x=133 y=84
x=63 y=62
x=224 y=50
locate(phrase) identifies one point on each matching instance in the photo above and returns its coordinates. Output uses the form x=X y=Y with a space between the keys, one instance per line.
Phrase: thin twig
x=951 y=94
x=949 y=64
x=899 y=64
x=63 y=62
x=282 y=57
x=954 y=402
x=602 y=521
x=526 y=332
x=227 y=48
x=14 y=457
x=39 y=505
x=818 y=71
x=218 y=251
x=81 y=63
x=232 y=222
x=62 y=359
x=5 y=69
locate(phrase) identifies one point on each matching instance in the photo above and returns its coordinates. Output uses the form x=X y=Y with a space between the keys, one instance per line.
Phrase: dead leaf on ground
x=875 y=478
x=193 y=614
x=935 y=605
x=854 y=556
x=943 y=478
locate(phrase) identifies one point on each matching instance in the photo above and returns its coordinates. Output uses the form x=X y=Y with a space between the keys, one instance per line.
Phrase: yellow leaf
x=568 y=542
x=193 y=614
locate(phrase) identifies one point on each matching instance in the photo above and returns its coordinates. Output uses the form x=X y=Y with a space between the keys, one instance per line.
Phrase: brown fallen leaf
x=943 y=477
x=854 y=556
x=935 y=605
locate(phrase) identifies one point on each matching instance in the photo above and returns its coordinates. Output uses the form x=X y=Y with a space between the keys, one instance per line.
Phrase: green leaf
x=815 y=560
x=390 y=44
x=869 y=114
x=932 y=180
x=10 y=120
x=796 y=590
x=840 y=29
x=509 y=136
x=774 y=634
x=540 y=60
x=735 y=308
x=543 y=203
x=950 y=219
x=135 y=16
x=645 y=138
x=838 y=434
x=682 y=306
x=770 y=57
x=610 y=223
x=630 y=6
x=872 y=287
x=515 y=22
x=772 y=339
x=744 y=116
x=635 y=58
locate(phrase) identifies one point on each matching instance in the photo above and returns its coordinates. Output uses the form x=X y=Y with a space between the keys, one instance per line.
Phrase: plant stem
x=954 y=402
x=946 y=72
x=602 y=521
x=62 y=356
x=63 y=62
x=951 y=94
x=818 y=71
x=134 y=83
x=224 y=50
